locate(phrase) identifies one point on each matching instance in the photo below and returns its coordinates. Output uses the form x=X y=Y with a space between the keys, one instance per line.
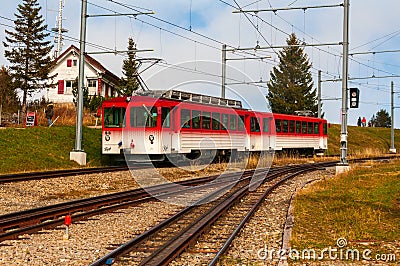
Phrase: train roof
x=180 y=96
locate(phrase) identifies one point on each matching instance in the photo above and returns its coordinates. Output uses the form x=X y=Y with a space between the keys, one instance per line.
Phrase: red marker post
x=67 y=222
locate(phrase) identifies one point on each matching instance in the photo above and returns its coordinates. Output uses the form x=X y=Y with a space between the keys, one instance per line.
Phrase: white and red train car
x=171 y=123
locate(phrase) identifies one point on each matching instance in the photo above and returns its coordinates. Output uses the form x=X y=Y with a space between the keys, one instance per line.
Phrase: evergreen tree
x=95 y=103
x=8 y=93
x=27 y=50
x=291 y=85
x=381 y=119
x=129 y=83
x=86 y=99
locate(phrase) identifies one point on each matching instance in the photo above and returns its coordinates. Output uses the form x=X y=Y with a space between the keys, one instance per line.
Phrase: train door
x=255 y=134
x=174 y=131
x=322 y=136
x=268 y=138
x=166 y=130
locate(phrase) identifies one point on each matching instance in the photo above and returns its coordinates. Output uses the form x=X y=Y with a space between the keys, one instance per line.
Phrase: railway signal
x=354 y=97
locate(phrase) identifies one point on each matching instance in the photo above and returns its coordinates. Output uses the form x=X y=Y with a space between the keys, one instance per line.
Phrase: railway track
x=29 y=221
x=163 y=243
x=9 y=178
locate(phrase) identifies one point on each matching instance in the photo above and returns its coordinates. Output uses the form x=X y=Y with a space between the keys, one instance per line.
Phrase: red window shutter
x=99 y=85
x=61 y=87
x=69 y=62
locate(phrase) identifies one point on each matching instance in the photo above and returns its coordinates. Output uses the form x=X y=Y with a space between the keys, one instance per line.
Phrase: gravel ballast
x=94 y=238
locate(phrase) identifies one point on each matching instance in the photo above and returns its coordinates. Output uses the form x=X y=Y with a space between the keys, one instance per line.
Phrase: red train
x=174 y=123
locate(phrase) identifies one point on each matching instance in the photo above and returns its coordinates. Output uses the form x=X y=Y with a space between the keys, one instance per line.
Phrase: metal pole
x=319 y=94
x=81 y=82
x=343 y=133
x=223 y=71
x=392 y=148
x=59 y=40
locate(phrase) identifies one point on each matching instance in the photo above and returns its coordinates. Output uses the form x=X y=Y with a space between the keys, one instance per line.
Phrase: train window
x=304 y=127
x=310 y=128
x=195 y=119
x=325 y=129
x=232 y=122
x=265 y=124
x=298 y=126
x=291 y=126
x=143 y=116
x=114 y=117
x=185 y=118
x=254 y=125
x=165 y=117
x=278 y=125
x=225 y=121
x=285 y=126
x=316 y=128
x=216 y=118
x=205 y=120
x=241 y=123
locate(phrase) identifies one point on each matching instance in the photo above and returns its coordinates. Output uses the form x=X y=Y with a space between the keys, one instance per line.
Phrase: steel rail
x=8 y=178
x=28 y=221
x=132 y=244
x=180 y=242
x=255 y=207
x=128 y=246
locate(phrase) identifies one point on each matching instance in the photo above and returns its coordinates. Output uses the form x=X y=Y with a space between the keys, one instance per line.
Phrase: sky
x=187 y=37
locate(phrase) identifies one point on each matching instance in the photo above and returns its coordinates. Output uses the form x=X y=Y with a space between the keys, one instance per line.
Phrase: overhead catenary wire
x=190 y=39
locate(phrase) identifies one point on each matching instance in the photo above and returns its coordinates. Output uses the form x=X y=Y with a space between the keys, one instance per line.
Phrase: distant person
x=49 y=114
x=359 y=122
x=364 y=122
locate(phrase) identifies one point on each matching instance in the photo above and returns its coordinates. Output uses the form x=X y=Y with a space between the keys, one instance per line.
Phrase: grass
x=362 y=140
x=362 y=205
x=43 y=148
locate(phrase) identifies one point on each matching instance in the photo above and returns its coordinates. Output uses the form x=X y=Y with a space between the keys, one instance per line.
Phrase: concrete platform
x=342 y=168
x=78 y=156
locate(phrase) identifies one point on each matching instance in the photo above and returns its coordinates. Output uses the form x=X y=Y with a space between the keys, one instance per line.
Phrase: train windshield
x=144 y=116
x=114 y=117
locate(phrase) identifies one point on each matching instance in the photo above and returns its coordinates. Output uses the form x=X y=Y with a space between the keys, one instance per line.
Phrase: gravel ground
x=265 y=229
x=31 y=194
x=91 y=239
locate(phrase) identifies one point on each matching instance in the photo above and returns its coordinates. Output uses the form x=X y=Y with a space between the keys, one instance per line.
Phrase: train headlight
x=132 y=144
x=107 y=137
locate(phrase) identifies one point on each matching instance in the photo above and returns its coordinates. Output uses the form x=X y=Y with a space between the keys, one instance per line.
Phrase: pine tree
x=85 y=94
x=8 y=94
x=130 y=83
x=27 y=50
x=291 y=85
x=382 y=119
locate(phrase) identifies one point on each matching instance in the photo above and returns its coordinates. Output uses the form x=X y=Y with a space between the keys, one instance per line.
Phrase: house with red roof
x=98 y=79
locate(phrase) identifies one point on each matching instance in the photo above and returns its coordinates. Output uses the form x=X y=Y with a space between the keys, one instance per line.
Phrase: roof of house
x=90 y=60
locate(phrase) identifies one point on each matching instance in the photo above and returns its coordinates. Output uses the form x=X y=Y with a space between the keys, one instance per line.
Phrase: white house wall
x=70 y=74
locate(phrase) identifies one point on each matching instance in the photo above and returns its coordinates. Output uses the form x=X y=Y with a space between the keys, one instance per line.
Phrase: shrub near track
x=43 y=148
x=363 y=206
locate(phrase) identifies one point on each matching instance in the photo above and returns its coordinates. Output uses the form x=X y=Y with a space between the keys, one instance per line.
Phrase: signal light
x=354 y=97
